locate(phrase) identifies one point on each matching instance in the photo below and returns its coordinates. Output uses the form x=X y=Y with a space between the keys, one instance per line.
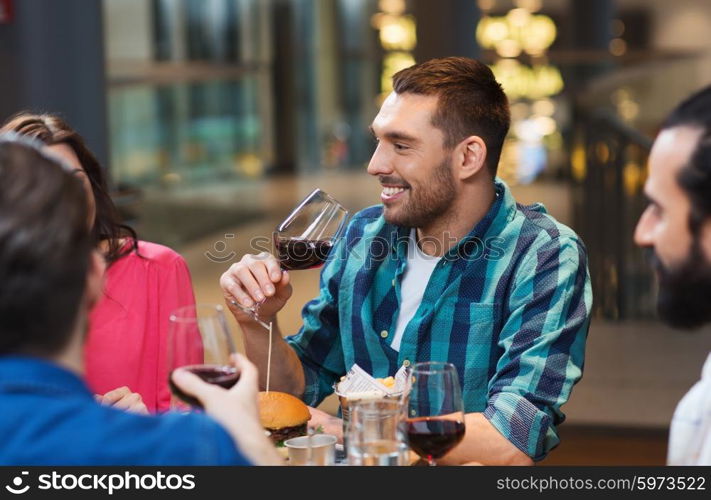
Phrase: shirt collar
x=501 y=212
x=706 y=370
x=31 y=374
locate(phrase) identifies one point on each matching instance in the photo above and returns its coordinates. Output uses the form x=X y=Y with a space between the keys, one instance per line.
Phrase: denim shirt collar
x=39 y=376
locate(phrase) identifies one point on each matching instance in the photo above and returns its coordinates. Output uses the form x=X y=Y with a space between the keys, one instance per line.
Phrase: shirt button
x=393 y=282
x=384 y=334
x=406 y=363
x=413 y=413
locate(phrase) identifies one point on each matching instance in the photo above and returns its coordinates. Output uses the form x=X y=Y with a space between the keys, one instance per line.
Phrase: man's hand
x=256 y=279
x=236 y=409
x=123 y=399
x=329 y=423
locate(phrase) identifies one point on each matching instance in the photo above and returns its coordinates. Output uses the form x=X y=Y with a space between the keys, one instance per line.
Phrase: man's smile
x=391 y=193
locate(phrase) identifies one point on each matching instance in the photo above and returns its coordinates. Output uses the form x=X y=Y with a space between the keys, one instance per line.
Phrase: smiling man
x=676 y=227
x=448 y=268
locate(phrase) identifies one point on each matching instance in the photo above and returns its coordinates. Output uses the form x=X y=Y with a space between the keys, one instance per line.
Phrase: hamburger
x=283 y=415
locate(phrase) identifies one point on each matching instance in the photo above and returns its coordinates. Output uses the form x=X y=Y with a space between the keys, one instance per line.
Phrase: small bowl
x=323 y=450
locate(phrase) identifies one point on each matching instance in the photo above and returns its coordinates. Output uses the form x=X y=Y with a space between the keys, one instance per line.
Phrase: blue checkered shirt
x=509 y=306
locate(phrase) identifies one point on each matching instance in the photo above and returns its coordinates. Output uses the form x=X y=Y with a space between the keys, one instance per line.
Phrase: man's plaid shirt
x=509 y=306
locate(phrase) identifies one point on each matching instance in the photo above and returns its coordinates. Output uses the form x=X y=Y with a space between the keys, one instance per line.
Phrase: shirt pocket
x=482 y=324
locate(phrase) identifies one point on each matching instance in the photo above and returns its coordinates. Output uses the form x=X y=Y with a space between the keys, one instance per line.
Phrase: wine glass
x=305 y=238
x=199 y=341
x=435 y=423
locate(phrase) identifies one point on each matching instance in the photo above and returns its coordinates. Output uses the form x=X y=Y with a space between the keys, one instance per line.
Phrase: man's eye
x=400 y=147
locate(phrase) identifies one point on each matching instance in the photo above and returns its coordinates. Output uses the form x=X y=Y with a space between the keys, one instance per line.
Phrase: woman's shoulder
x=156 y=253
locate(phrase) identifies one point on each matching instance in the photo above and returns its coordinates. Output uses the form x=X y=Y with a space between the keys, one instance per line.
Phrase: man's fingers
x=261 y=274
x=285 y=279
x=274 y=270
x=283 y=288
x=248 y=283
x=248 y=374
x=192 y=385
x=236 y=292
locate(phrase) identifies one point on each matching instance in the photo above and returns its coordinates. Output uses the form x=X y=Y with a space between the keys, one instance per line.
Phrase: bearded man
x=676 y=228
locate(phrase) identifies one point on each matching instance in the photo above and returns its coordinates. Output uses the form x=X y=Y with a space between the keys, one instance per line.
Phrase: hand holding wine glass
x=436 y=415
x=257 y=287
x=199 y=341
x=236 y=409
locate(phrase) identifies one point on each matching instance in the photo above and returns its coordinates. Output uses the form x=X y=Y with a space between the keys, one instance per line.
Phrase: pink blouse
x=128 y=328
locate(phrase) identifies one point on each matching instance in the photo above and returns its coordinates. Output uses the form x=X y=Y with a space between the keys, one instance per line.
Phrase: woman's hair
x=51 y=130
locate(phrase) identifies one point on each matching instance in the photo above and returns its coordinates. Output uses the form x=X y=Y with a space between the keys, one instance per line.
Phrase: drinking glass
x=305 y=238
x=199 y=341
x=376 y=433
x=435 y=423
x=347 y=401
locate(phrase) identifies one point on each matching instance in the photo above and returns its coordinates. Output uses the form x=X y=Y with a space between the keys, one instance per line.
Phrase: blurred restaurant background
x=214 y=117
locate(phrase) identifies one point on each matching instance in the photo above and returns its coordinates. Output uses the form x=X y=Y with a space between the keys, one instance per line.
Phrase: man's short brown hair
x=470 y=101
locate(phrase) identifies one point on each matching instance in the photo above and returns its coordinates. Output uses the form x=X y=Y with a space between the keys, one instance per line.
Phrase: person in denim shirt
x=50 y=276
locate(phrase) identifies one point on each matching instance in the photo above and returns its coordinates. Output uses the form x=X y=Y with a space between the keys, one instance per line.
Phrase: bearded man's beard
x=684 y=299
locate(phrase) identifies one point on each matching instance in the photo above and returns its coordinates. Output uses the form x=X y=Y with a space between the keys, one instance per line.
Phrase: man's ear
x=94 y=279
x=471 y=157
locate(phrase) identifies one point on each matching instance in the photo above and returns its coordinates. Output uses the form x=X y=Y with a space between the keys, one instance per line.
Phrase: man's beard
x=429 y=201
x=684 y=299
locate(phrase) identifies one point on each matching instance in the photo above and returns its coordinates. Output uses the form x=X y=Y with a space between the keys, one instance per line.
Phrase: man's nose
x=379 y=163
x=643 y=232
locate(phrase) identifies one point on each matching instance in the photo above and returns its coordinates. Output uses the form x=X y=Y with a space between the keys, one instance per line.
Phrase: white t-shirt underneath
x=414 y=281
x=690 y=433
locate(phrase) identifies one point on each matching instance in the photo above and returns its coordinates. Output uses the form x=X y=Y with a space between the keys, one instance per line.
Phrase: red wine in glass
x=224 y=376
x=304 y=239
x=436 y=410
x=433 y=438
x=297 y=254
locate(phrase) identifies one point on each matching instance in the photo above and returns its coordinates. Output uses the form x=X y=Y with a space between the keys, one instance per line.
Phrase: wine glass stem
x=252 y=311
